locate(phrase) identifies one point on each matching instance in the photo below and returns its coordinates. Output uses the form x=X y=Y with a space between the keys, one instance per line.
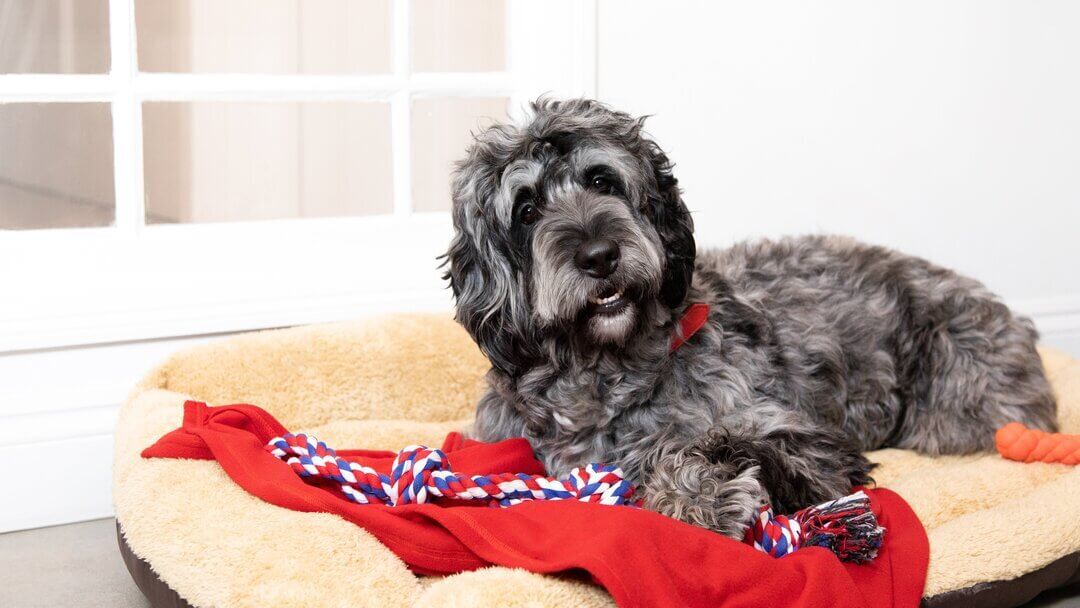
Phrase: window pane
x=441 y=130
x=56 y=165
x=458 y=35
x=229 y=161
x=264 y=36
x=54 y=36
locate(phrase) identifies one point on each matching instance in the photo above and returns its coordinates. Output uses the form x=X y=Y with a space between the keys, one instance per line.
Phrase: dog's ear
x=482 y=280
x=672 y=221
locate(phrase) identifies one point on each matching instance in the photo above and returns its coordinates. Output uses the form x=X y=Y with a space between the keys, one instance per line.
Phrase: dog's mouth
x=611 y=314
x=609 y=301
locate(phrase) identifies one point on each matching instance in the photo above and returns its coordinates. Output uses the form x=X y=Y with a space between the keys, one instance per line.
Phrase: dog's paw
x=709 y=483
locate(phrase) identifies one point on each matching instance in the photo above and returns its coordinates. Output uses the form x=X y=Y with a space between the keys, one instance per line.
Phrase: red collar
x=692 y=320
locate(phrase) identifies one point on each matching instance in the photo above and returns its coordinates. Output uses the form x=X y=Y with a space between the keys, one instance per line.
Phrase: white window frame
x=131 y=281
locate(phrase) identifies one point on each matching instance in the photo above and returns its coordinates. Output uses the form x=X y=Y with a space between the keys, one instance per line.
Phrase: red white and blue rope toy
x=419 y=474
x=845 y=526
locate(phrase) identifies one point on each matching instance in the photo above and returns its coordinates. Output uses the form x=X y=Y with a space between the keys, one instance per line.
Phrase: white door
x=171 y=170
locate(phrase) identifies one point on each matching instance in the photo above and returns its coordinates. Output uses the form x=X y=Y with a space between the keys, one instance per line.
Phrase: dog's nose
x=597 y=258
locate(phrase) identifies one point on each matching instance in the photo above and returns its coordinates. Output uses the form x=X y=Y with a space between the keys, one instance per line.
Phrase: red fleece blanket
x=641 y=558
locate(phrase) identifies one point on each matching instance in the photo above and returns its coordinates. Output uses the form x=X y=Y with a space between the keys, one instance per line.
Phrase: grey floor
x=76 y=565
x=79 y=566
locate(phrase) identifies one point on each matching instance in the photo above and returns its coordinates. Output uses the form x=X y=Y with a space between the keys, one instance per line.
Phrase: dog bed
x=1000 y=532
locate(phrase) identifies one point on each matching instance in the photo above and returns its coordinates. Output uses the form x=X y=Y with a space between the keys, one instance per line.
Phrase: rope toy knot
x=411 y=474
x=774 y=534
x=600 y=483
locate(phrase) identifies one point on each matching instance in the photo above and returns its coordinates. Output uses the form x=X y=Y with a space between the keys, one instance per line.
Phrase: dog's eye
x=600 y=179
x=528 y=213
x=525 y=206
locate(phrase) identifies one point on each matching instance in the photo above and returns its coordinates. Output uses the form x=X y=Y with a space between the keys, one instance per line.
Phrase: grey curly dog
x=574 y=259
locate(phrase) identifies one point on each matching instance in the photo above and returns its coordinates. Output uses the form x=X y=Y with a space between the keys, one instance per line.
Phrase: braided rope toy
x=419 y=473
x=845 y=526
x=1017 y=442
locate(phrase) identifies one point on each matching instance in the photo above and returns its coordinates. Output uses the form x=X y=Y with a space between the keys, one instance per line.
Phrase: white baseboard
x=1057 y=319
x=43 y=427
x=56 y=482
x=1067 y=341
x=79 y=377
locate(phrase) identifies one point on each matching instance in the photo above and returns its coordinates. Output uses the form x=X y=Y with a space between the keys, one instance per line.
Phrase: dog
x=573 y=261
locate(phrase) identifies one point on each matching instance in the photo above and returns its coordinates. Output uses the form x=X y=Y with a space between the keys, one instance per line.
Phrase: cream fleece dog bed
x=999 y=531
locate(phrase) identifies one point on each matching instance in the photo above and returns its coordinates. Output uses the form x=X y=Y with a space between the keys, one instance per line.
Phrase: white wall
x=950 y=129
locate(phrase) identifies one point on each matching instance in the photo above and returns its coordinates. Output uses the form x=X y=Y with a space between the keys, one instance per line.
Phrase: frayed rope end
x=846 y=526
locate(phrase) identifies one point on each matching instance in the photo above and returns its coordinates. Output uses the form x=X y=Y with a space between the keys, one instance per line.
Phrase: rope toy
x=419 y=474
x=1017 y=442
x=845 y=526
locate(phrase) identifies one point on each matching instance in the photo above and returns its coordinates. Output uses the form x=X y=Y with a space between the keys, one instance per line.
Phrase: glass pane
x=458 y=35
x=229 y=161
x=56 y=165
x=263 y=36
x=441 y=130
x=54 y=36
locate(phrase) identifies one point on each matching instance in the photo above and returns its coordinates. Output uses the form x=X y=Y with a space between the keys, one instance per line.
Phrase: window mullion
x=400 y=110
x=127 y=120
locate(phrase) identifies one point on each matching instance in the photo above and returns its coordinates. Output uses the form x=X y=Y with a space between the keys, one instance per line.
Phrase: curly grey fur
x=816 y=348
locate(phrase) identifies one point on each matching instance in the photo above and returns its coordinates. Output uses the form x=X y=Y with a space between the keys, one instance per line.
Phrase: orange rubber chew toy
x=1017 y=442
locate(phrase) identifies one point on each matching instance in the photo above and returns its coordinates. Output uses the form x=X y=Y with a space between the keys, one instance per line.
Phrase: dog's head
x=570 y=224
